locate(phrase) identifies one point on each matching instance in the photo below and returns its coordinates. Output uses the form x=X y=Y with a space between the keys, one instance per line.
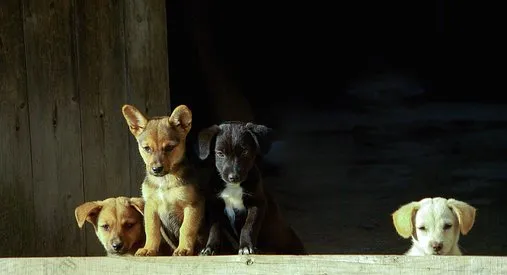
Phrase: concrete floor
x=344 y=172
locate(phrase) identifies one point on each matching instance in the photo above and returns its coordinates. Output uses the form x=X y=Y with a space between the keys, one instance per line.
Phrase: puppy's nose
x=117 y=246
x=233 y=177
x=437 y=246
x=157 y=169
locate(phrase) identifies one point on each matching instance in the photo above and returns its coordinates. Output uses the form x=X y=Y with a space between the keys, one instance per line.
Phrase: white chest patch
x=233 y=199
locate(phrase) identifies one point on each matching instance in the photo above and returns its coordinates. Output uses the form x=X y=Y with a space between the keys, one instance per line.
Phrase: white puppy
x=434 y=225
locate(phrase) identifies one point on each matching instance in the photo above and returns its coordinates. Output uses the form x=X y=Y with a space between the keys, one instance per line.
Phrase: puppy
x=170 y=189
x=118 y=223
x=254 y=217
x=434 y=225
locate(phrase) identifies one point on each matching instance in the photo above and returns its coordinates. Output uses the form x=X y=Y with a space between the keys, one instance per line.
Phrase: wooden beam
x=258 y=264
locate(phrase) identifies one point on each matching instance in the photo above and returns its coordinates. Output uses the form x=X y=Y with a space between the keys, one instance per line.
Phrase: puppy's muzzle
x=437 y=247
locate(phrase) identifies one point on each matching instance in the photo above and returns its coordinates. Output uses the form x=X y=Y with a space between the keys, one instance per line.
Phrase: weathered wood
x=316 y=264
x=54 y=126
x=147 y=70
x=101 y=81
x=16 y=205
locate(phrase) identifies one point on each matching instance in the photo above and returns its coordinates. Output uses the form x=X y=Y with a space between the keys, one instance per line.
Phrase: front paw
x=208 y=251
x=183 y=252
x=246 y=250
x=146 y=252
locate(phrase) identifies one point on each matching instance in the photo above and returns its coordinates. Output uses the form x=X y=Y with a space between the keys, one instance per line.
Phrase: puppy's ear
x=135 y=119
x=138 y=204
x=89 y=212
x=263 y=136
x=403 y=219
x=465 y=213
x=181 y=117
x=205 y=137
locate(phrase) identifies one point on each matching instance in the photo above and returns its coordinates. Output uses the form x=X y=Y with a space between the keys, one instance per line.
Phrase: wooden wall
x=66 y=68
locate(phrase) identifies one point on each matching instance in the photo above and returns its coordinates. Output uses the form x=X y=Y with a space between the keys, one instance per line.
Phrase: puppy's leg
x=213 y=244
x=152 y=229
x=250 y=231
x=192 y=217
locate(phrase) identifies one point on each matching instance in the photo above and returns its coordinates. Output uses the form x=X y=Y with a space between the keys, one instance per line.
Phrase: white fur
x=233 y=198
x=434 y=221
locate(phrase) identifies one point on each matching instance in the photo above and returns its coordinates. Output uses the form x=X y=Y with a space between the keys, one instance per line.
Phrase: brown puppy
x=170 y=189
x=118 y=223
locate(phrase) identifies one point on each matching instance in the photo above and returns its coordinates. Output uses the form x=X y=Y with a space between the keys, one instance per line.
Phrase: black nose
x=157 y=169
x=437 y=246
x=117 y=246
x=233 y=177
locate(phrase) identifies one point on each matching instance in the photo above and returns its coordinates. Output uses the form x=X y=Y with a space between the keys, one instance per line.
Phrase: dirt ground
x=344 y=172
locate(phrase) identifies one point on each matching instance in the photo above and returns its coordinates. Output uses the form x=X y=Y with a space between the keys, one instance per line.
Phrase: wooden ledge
x=258 y=264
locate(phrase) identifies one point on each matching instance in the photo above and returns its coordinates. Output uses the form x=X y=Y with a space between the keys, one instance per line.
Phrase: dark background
x=379 y=103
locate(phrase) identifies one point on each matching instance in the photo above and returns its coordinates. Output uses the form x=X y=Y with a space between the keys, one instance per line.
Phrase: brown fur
x=173 y=198
x=117 y=221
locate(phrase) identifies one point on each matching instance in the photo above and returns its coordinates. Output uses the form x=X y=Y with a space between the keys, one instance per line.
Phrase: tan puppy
x=170 y=190
x=118 y=223
x=434 y=225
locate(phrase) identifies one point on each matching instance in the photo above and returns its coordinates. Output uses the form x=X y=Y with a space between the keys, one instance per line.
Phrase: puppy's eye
x=219 y=154
x=168 y=148
x=447 y=226
x=147 y=149
x=128 y=225
x=245 y=152
x=422 y=228
x=105 y=227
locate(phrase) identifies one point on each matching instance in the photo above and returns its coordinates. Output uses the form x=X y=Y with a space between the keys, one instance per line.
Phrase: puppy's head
x=118 y=223
x=434 y=223
x=236 y=147
x=161 y=140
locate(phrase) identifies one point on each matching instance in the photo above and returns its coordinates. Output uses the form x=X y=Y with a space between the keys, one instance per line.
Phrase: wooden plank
x=16 y=205
x=147 y=69
x=101 y=78
x=315 y=264
x=54 y=125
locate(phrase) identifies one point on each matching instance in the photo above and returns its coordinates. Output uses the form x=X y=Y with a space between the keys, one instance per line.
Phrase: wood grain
x=54 y=126
x=314 y=264
x=16 y=205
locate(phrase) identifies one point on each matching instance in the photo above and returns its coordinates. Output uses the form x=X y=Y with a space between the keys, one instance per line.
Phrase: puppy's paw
x=208 y=251
x=246 y=250
x=145 y=252
x=183 y=252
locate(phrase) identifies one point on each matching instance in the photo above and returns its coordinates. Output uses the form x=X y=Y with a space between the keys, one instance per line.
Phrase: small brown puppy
x=118 y=223
x=170 y=189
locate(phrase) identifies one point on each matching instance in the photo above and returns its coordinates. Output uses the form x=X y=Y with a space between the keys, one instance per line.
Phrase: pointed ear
x=403 y=219
x=205 y=137
x=465 y=213
x=181 y=117
x=263 y=136
x=88 y=211
x=138 y=204
x=135 y=119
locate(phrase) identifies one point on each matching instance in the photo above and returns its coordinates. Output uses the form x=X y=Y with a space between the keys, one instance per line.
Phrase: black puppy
x=254 y=217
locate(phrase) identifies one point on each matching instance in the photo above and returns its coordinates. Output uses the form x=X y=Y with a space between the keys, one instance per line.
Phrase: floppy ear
x=88 y=211
x=263 y=136
x=138 y=204
x=181 y=117
x=465 y=213
x=403 y=219
x=135 y=119
x=204 y=139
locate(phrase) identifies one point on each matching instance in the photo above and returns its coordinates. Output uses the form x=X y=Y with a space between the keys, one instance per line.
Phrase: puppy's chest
x=232 y=195
x=166 y=192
